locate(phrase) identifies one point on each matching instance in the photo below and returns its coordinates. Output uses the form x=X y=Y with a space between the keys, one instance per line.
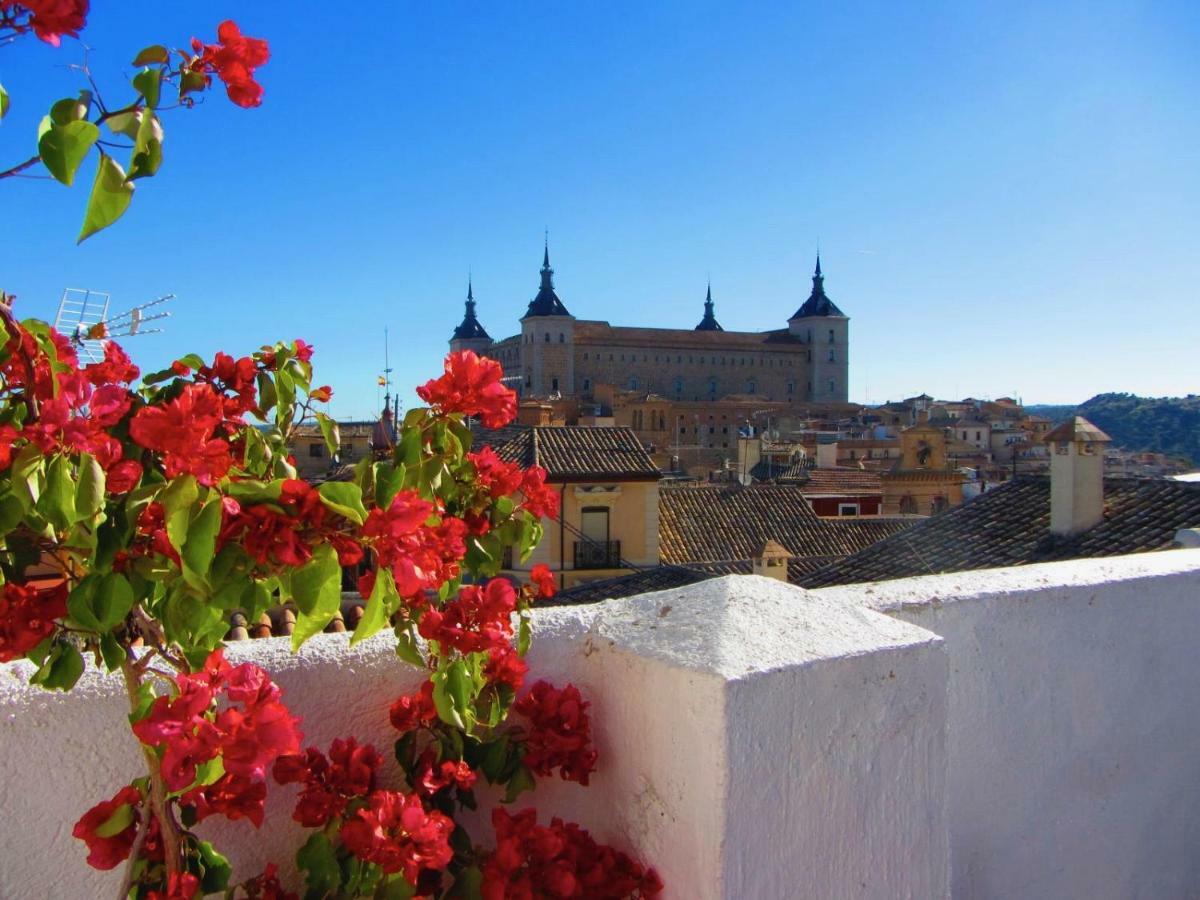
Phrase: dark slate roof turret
x=817 y=303
x=709 y=322
x=470 y=327
x=546 y=303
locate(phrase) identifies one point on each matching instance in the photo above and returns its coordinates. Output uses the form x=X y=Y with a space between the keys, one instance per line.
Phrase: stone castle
x=558 y=355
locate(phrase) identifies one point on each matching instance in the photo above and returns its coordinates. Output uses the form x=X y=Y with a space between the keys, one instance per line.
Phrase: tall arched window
x=678 y=385
x=633 y=382
x=712 y=388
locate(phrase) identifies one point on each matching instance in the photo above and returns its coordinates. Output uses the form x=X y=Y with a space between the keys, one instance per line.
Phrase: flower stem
x=158 y=801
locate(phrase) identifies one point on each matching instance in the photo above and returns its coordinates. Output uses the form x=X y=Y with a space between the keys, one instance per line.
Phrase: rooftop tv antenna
x=83 y=318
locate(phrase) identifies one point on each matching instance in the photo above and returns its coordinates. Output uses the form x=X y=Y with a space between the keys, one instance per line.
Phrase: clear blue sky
x=1007 y=196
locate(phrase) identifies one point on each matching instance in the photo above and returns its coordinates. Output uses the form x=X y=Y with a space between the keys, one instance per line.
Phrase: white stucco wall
x=750 y=745
x=1074 y=723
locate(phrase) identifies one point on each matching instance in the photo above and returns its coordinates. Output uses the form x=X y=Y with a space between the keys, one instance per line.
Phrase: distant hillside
x=1055 y=413
x=1168 y=425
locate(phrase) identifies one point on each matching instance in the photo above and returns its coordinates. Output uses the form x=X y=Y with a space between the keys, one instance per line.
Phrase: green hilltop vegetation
x=1169 y=425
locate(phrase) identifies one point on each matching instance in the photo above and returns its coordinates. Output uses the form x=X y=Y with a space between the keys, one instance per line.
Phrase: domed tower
x=826 y=330
x=470 y=335
x=709 y=322
x=548 y=340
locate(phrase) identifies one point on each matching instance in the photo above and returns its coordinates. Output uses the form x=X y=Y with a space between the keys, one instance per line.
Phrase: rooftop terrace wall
x=1028 y=732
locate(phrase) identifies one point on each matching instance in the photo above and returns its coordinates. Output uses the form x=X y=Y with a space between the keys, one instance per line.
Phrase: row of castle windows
x=721 y=361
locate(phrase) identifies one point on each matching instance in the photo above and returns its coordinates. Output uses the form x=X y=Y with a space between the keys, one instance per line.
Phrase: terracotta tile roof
x=1010 y=526
x=842 y=482
x=575 y=452
x=345 y=429
x=711 y=523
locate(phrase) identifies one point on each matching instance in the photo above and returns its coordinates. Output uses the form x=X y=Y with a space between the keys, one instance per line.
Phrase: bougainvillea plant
x=137 y=519
x=166 y=79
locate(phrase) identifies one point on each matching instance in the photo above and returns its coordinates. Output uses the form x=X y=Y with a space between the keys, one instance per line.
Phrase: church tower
x=470 y=335
x=547 y=340
x=826 y=330
x=709 y=322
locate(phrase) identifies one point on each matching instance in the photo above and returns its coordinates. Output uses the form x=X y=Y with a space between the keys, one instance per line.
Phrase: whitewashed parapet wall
x=1074 y=723
x=754 y=742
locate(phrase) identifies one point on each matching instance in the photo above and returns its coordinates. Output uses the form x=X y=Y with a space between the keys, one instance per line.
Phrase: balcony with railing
x=597 y=554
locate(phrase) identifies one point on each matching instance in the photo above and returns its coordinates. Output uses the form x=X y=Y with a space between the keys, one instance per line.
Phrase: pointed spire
x=547 y=272
x=709 y=322
x=817 y=303
x=546 y=303
x=818 y=271
x=470 y=328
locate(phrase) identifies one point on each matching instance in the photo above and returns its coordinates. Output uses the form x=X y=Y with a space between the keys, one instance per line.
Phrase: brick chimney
x=771 y=561
x=1076 y=476
x=827 y=451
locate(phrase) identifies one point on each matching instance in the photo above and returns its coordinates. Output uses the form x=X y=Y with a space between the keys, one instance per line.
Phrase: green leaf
x=317 y=590
x=110 y=197
x=63 y=147
x=147 y=83
x=26 y=469
x=452 y=694
x=524 y=635
x=12 y=511
x=155 y=53
x=201 y=543
x=70 y=109
x=317 y=858
x=407 y=647
x=329 y=431
x=216 y=869
x=345 y=499
x=121 y=818
x=389 y=479
x=57 y=502
x=61 y=669
x=3 y=102
x=521 y=781
x=191 y=81
x=147 y=147
x=89 y=492
x=112 y=652
x=380 y=605
x=396 y=888
x=177 y=500
x=468 y=884
x=495 y=759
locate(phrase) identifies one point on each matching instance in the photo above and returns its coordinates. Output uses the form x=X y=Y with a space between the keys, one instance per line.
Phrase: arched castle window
x=678 y=385
x=712 y=387
x=791 y=387
x=547 y=337
x=832 y=357
x=633 y=383
x=831 y=335
x=587 y=384
x=751 y=386
x=554 y=384
x=832 y=388
x=562 y=338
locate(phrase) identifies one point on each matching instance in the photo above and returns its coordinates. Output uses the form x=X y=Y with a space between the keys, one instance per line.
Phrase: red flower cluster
x=180 y=886
x=70 y=409
x=109 y=852
x=420 y=556
x=559 y=732
x=430 y=776
x=414 y=710
x=543 y=579
x=182 y=431
x=472 y=386
x=562 y=860
x=478 y=619
x=233 y=59
x=540 y=498
x=329 y=783
x=397 y=834
x=493 y=475
x=267 y=887
x=249 y=735
x=27 y=615
x=284 y=533
x=50 y=19
x=236 y=376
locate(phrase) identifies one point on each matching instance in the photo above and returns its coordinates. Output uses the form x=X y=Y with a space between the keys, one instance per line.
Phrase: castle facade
x=557 y=354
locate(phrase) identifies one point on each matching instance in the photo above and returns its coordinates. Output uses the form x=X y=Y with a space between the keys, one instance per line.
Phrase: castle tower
x=547 y=340
x=709 y=322
x=1076 y=476
x=826 y=329
x=470 y=335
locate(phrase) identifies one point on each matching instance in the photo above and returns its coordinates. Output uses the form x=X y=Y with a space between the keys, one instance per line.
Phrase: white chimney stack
x=827 y=451
x=1076 y=476
x=771 y=561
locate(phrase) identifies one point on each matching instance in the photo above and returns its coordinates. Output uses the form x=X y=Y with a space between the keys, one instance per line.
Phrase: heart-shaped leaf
x=110 y=197
x=63 y=147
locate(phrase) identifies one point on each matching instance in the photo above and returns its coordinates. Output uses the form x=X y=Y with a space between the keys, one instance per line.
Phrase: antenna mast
x=83 y=318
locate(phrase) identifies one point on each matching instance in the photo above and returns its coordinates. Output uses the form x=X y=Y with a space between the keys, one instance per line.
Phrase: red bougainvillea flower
x=397 y=834
x=472 y=386
x=329 y=783
x=413 y=710
x=561 y=860
x=559 y=733
x=477 y=619
x=543 y=579
x=180 y=886
x=494 y=475
x=51 y=19
x=182 y=430
x=540 y=498
x=431 y=776
x=267 y=886
x=109 y=852
x=27 y=615
x=233 y=59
